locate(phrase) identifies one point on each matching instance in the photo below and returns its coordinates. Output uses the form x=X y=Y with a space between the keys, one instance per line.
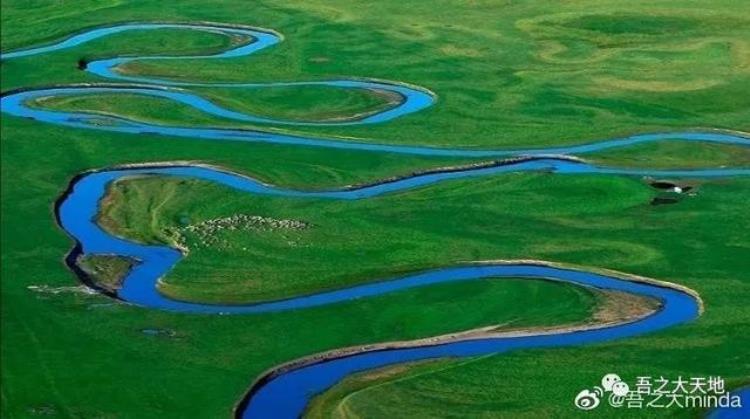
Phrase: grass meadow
x=507 y=74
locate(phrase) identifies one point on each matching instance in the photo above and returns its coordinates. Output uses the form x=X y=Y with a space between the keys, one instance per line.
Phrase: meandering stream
x=286 y=391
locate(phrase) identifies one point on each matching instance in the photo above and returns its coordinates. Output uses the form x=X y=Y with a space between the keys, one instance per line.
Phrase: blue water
x=285 y=395
x=77 y=213
x=734 y=413
x=413 y=99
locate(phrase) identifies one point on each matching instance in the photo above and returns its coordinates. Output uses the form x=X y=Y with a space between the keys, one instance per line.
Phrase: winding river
x=285 y=391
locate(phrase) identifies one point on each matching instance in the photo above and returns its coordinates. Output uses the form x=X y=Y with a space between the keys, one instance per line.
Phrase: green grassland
x=507 y=74
x=674 y=155
x=355 y=241
x=610 y=217
x=312 y=103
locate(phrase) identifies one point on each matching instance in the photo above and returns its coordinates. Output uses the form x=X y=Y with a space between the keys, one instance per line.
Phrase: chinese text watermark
x=658 y=393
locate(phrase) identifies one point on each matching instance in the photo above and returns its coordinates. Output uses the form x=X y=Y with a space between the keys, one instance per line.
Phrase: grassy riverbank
x=286 y=103
x=507 y=74
x=351 y=242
